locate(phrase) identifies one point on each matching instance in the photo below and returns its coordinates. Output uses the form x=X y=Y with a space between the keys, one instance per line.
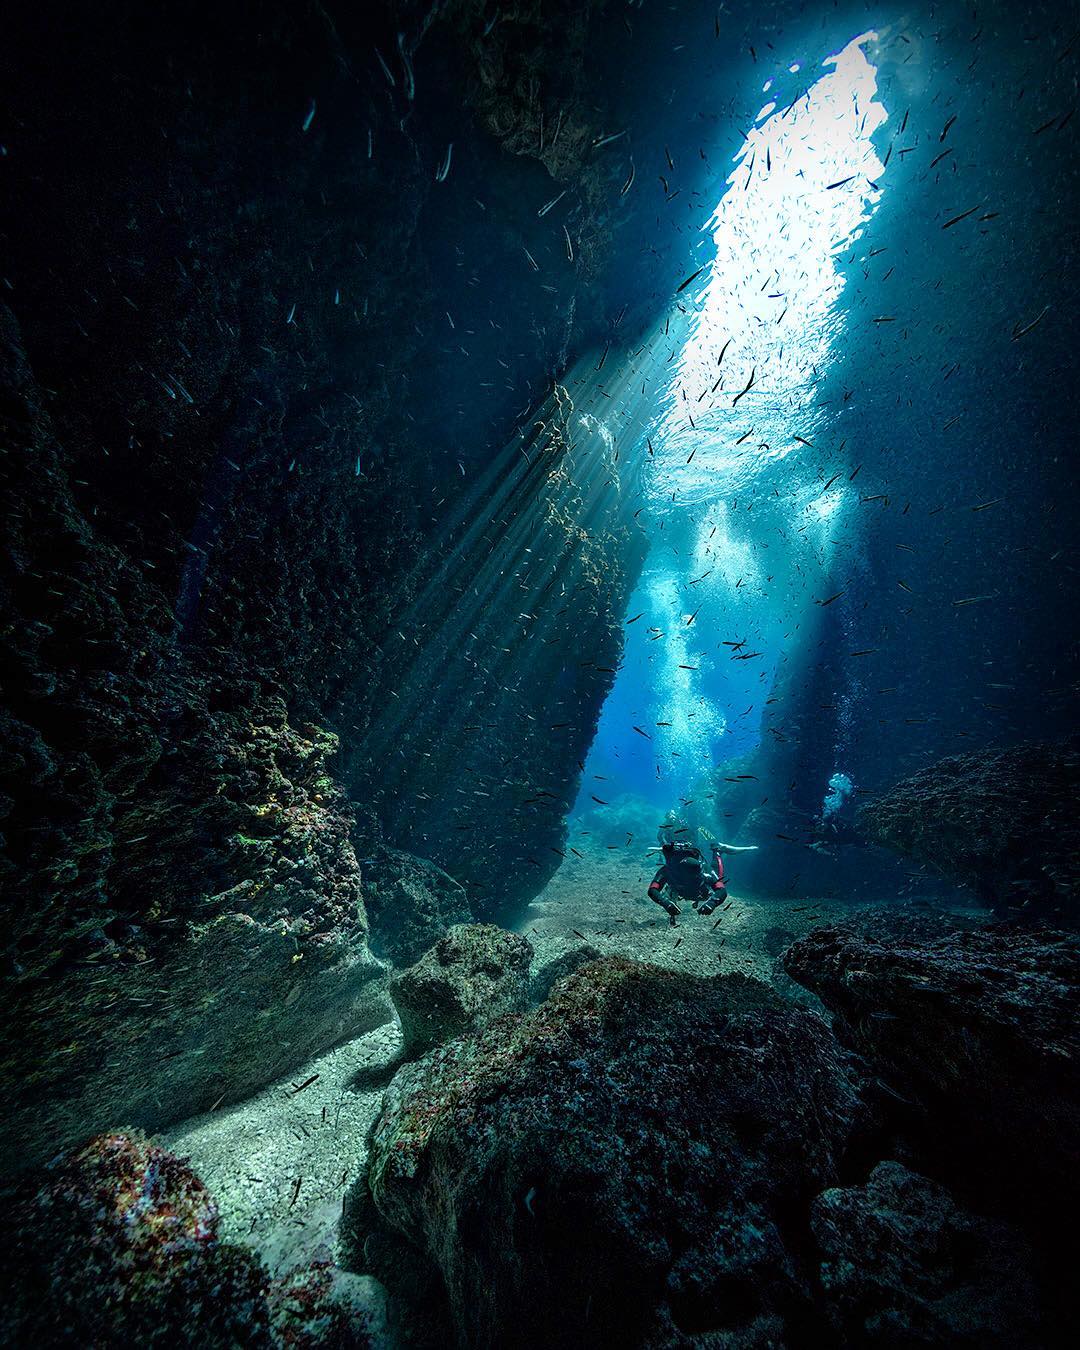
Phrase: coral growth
x=621 y=1166
x=476 y=973
x=117 y=1244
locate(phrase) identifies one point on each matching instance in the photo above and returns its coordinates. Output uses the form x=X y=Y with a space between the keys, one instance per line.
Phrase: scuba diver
x=684 y=872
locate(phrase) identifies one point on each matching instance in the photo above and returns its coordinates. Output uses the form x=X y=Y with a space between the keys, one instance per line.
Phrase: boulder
x=117 y=1244
x=630 y=1163
x=1004 y=821
x=904 y=1265
x=976 y=1030
x=319 y=1307
x=556 y=963
x=410 y=904
x=476 y=973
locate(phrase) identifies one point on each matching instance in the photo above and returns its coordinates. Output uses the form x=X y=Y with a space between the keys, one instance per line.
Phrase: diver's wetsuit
x=690 y=881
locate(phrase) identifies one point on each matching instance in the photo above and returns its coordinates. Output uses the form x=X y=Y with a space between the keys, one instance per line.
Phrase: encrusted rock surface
x=557 y=963
x=476 y=973
x=904 y=1265
x=229 y=945
x=977 y=1029
x=215 y=512
x=410 y=903
x=631 y=1163
x=117 y=1244
x=1004 y=821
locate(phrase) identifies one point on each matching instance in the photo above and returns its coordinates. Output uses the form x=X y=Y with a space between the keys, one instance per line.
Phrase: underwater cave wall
x=248 y=372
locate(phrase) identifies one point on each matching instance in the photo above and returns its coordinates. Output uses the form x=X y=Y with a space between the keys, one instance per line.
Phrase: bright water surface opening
x=741 y=530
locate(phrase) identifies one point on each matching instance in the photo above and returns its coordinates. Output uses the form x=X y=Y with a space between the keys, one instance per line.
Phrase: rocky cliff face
x=975 y=1032
x=250 y=374
x=1003 y=821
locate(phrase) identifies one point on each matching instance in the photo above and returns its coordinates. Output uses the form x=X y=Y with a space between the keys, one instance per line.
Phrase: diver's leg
x=666 y=903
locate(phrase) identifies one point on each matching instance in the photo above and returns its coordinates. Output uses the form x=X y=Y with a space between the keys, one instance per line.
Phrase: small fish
x=749 y=385
x=1022 y=332
x=629 y=182
x=309 y=118
x=606 y=140
x=962 y=216
x=386 y=69
x=554 y=202
x=410 y=81
x=444 y=168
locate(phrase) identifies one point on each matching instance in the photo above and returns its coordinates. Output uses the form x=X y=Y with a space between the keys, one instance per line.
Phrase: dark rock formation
x=476 y=973
x=317 y=1307
x=118 y=1245
x=903 y=1265
x=210 y=936
x=410 y=903
x=219 y=499
x=557 y=964
x=978 y=1031
x=1005 y=821
x=776 y=940
x=631 y=1163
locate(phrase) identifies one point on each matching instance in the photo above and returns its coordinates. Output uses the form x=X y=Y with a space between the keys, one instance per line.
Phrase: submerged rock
x=410 y=902
x=476 y=973
x=556 y=964
x=903 y=1265
x=1006 y=822
x=630 y=1163
x=318 y=1307
x=231 y=948
x=117 y=1245
x=978 y=1031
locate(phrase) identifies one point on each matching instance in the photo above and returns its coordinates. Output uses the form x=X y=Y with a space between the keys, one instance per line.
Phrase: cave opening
x=742 y=537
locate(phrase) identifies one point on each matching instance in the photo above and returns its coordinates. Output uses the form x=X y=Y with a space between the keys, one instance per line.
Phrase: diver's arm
x=735 y=848
x=656 y=886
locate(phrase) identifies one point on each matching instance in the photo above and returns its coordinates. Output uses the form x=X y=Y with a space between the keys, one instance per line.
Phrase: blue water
x=745 y=530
